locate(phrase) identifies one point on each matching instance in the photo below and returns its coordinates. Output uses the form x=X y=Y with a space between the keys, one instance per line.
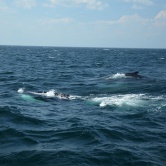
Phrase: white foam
x=120 y=100
x=20 y=90
x=53 y=93
x=50 y=93
x=74 y=97
x=117 y=76
x=36 y=93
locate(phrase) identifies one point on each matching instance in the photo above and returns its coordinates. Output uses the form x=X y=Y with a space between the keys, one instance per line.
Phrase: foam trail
x=119 y=100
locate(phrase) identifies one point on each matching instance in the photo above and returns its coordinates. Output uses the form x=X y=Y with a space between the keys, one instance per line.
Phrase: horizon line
x=102 y=47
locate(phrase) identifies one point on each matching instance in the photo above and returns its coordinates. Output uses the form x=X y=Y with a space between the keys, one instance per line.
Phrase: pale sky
x=84 y=23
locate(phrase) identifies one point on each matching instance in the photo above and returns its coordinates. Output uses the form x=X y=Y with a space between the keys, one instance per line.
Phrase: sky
x=84 y=23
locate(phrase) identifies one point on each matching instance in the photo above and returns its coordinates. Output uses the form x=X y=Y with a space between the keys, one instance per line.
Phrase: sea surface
x=75 y=107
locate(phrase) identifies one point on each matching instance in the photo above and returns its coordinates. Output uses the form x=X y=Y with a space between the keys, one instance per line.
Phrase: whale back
x=134 y=74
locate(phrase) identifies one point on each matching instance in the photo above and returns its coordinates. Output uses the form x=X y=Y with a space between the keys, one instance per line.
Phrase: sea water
x=108 y=118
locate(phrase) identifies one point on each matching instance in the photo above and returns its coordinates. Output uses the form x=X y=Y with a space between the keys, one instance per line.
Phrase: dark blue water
x=107 y=119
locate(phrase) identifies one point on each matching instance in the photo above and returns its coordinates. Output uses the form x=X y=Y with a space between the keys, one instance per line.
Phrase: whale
x=62 y=95
x=51 y=94
x=134 y=74
x=42 y=96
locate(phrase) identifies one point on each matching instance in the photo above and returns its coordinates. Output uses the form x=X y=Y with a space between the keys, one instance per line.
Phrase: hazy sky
x=84 y=23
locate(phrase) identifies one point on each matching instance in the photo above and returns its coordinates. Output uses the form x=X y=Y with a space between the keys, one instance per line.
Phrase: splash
x=117 y=76
x=20 y=90
x=50 y=93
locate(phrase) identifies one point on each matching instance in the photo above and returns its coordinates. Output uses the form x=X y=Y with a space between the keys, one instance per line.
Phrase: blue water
x=108 y=118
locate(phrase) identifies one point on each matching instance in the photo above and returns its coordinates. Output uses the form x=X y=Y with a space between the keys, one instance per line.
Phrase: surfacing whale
x=51 y=94
x=134 y=74
x=62 y=95
x=44 y=94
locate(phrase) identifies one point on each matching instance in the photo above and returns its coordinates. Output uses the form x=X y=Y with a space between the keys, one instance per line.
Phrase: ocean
x=76 y=107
